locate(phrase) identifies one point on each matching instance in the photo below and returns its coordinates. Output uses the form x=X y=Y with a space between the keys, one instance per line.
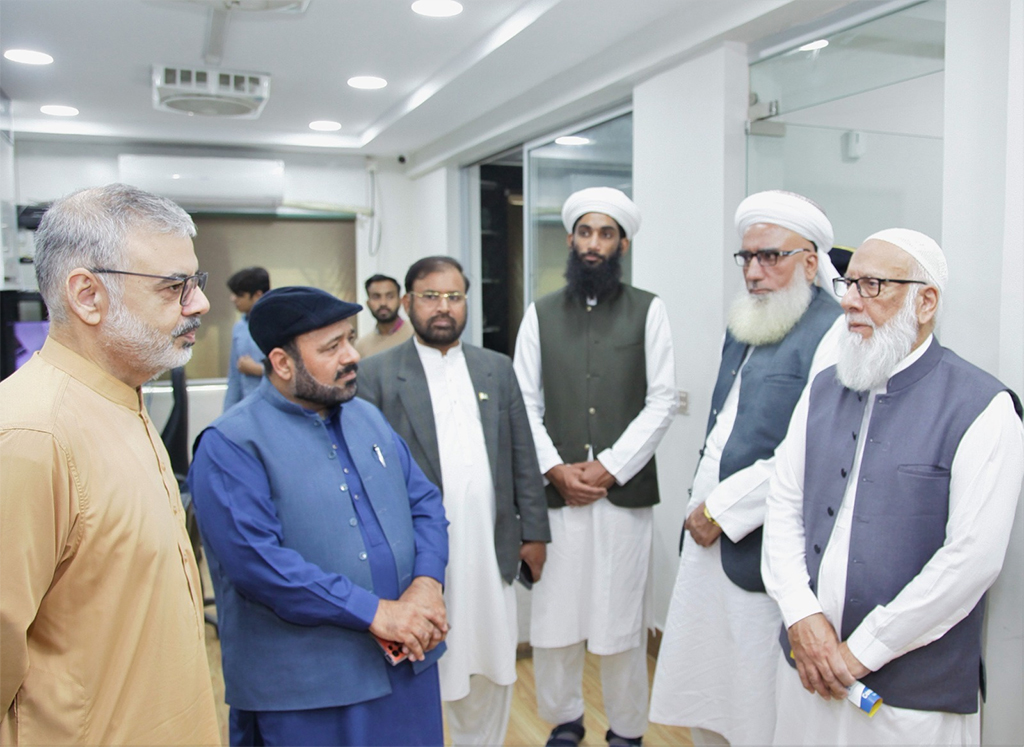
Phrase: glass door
x=599 y=155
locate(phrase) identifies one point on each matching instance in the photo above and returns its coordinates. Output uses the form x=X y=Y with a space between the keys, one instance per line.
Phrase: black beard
x=598 y=281
x=435 y=337
x=392 y=315
x=309 y=389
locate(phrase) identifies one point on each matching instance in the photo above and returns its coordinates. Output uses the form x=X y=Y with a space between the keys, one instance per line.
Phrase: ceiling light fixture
x=814 y=45
x=55 y=110
x=325 y=125
x=437 y=8
x=367 y=82
x=28 y=57
x=572 y=140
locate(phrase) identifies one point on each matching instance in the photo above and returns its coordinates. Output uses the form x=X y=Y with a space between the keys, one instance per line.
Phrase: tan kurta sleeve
x=38 y=512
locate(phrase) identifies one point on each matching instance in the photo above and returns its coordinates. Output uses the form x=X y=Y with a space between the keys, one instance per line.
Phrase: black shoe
x=567 y=735
x=614 y=740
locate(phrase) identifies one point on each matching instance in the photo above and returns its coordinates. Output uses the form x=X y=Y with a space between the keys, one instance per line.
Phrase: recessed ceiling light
x=572 y=140
x=814 y=45
x=367 y=82
x=55 y=110
x=437 y=8
x=325 y=125
x=28 y=57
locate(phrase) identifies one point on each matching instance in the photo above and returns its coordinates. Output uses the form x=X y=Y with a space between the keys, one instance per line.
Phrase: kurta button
x=332 y=455
x=362 y=556
x=714 y=412
x=842 y=472
x=345 y=470
x=344 y=488
x=586 y=446
x=352 y=522
x=830 y=512
x=593 y=410
x=733 y=372
x=817 y=548
x=590 y=308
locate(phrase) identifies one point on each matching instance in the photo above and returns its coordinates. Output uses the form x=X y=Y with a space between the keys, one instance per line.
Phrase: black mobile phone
x=525 y=575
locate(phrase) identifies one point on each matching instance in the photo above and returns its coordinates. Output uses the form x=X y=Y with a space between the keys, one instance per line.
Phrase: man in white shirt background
x=460 y=410
x=889 y=516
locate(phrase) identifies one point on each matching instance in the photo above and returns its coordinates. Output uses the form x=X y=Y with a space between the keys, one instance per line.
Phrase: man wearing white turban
x=597 y=372
x=716 y=666
x=889 y=516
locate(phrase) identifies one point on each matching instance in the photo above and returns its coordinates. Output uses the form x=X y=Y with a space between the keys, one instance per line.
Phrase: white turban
x=605 y=200
x=920 y=247
x=799 y=215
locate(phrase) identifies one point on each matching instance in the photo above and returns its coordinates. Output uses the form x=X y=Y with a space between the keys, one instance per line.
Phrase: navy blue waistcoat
x=773 y=379
x=271 y=664
x=901 y=509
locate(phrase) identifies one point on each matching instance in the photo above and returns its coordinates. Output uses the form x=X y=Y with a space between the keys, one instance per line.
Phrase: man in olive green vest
x=597 y=372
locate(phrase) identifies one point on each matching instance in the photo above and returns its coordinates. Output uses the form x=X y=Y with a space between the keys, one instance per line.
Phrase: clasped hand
x=581 y=483
x=417 y=619
x=825 y=665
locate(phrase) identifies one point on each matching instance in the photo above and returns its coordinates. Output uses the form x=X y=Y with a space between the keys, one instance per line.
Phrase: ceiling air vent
x=210 y=93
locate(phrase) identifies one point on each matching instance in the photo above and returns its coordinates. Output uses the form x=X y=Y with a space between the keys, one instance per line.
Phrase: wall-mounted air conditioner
x=195 y=182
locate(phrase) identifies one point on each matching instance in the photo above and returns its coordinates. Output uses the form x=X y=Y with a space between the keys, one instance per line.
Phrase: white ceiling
x=500 y=70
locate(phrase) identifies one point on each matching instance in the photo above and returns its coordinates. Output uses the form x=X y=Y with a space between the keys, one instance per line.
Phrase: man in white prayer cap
x=889 y=516
x=716 y=666
x=597 y=372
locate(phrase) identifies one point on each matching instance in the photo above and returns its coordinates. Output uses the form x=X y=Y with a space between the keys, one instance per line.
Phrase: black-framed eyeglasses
x=867 y=287
x=765 y=257
x=434 y=297
x=188 y=284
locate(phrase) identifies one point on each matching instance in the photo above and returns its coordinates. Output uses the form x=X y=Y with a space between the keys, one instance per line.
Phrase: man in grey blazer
x=460 y=410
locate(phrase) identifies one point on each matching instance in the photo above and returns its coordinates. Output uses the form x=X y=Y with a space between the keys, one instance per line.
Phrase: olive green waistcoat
x=595 y=381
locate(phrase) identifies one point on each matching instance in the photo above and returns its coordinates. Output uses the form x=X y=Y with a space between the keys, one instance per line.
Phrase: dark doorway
x=501 y=251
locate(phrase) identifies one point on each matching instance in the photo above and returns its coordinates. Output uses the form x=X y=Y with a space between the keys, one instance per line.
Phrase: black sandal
x=614 y=740
x=567 y=735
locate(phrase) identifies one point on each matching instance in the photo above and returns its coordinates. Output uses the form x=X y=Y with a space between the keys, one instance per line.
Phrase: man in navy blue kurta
x=320 y=530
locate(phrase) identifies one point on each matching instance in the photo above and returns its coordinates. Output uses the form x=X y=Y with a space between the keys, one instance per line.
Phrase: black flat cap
x=283 y=314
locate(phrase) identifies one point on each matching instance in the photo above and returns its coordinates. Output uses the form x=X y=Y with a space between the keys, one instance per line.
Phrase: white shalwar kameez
x=595 y=585
x=985 y=479
x=716 y=665
x=479 y=668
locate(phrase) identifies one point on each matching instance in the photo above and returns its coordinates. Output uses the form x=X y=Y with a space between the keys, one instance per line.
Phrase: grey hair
x=90 y=228
x=917 y=272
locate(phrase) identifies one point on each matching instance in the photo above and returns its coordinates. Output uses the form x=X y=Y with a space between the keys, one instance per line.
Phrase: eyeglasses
x=867 y=287
x=765 y=257
x=188 y=284
x=434 y=297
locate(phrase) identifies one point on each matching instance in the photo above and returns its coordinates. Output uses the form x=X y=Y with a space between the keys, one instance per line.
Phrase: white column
x=983 y=237
x=689 y=162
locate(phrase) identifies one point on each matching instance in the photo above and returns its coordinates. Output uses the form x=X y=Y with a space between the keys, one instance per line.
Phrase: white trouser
x=707 y=738
x=624 y=684
x=481 y=718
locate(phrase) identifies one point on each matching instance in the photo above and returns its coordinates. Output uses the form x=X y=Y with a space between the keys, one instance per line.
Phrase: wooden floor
x=525 y=726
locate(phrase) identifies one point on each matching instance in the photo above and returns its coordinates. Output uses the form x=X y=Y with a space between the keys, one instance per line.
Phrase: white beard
x=145 y=347
x=766 y=319
x=864 y=365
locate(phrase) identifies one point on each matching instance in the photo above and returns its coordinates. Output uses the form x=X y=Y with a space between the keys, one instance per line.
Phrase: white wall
x=688 y=177
x=983 y=238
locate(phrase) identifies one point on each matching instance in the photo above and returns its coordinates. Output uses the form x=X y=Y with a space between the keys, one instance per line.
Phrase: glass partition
x=597 y=156
x=859 y=124
x=901 y=46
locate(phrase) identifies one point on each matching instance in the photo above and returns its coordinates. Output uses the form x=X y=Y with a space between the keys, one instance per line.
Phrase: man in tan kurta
x=101 y=620
x=382 y=300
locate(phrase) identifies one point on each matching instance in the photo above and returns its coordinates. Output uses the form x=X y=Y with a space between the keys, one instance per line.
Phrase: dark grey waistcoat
x=901 y=509
x=772 y=382
x=594 y=371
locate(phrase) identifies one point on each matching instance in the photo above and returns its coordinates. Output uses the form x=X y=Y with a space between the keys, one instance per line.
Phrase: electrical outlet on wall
x=684 y=403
